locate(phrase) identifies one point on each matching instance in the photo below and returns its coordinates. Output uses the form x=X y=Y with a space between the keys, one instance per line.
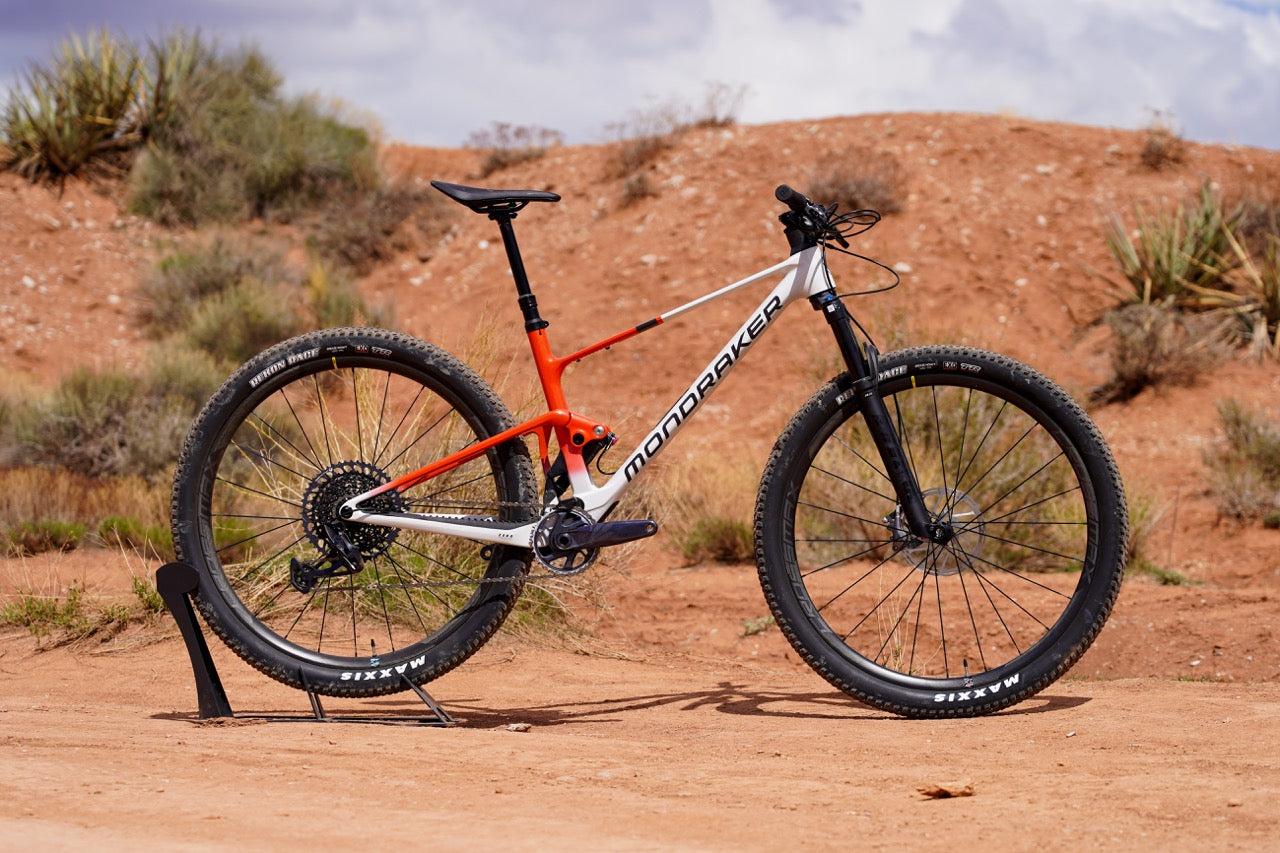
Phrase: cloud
x=435 y=70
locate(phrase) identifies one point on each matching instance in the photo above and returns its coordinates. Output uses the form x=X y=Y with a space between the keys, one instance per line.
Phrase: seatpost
x=528 y=304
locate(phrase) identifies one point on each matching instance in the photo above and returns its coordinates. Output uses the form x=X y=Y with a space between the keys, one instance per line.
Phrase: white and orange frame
x=804 y=275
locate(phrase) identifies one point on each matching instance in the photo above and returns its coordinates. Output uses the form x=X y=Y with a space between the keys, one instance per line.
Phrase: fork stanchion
x=176 y=582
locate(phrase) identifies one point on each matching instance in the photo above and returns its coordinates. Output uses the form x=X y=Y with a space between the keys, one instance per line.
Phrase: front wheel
x=1027 y=485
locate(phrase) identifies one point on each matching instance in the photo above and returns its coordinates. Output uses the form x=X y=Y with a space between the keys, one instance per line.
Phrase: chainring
x=559 y=560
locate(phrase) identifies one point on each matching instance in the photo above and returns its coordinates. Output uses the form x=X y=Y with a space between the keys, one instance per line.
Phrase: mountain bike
x=939 y=531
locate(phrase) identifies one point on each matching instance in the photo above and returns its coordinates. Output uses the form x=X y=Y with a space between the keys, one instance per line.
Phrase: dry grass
x=703 y=506
x=31 y=494
x=1245 y=467
x=859 y=179
x=1162 y=147
x=1156 y=345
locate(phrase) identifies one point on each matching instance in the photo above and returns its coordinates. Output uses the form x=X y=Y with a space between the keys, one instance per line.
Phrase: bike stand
x=176 y=582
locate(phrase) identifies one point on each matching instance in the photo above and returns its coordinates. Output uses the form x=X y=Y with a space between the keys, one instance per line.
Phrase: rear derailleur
x=343 y=558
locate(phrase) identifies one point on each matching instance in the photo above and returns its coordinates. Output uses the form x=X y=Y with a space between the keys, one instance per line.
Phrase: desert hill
x=999 y=243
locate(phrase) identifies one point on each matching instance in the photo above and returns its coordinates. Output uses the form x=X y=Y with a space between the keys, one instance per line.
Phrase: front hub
x=957 y=534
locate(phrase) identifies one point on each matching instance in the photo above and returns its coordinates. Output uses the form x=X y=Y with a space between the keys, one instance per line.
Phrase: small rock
x=946 y=790
x=518 y=727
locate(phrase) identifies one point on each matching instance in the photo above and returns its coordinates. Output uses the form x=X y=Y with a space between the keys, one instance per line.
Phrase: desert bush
x=218 y=302
x=201 y=269
x=635 y=188
x=507 y=145
x=724 y=540
x=860 y=178
x=1162 y=144
x=233 y=148
x=362 y=229
x=647 y=133
x=1245 y=466
x=103 y=424
x=1180 y=258
x=1156 y=345
x=243 y=320
x=703 y=507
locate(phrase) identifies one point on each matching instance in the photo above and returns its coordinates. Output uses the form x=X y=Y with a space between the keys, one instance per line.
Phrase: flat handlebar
x=811 y=217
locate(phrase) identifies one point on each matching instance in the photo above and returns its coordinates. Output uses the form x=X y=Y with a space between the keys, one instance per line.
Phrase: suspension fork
x=865 y=372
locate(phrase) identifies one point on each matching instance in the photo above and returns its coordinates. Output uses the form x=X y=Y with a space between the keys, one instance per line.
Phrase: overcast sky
x=433 y=71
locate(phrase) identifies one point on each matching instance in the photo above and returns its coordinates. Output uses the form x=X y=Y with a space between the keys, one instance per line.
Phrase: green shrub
x=725 y=540
x=108 y=423
x=148 y=597
x=29 y=538
x=244 y=320
x=201 y=269
x=152 y=541
x=233 y=148
x=40 y=614
x=1245 y=467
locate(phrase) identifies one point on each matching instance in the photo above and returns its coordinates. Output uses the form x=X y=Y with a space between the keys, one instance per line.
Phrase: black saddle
x=492 y=201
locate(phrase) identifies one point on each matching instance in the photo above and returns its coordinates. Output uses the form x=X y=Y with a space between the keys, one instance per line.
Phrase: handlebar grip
x=791 y=198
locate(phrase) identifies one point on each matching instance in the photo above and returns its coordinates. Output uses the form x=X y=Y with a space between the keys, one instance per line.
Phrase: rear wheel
x=1025 y=481
x=283 y=444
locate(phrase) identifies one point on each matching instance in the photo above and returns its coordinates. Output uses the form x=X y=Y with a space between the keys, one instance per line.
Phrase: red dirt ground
x=661 y=725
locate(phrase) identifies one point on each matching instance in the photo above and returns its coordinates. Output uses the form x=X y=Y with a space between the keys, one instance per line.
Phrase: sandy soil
x=631 y=746
x=659 y=724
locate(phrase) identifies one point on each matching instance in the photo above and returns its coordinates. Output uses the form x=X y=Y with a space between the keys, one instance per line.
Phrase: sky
x=432 y=72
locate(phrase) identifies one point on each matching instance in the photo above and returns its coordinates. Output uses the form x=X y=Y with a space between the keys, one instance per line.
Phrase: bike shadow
x=726 y=698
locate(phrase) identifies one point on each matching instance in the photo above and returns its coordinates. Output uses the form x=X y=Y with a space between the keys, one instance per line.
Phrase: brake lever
x=823 y=215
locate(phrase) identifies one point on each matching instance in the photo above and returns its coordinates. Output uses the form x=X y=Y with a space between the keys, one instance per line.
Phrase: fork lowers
x=865 y=371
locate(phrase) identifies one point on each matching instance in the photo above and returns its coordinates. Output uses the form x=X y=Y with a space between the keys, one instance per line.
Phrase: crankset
x=567 y=540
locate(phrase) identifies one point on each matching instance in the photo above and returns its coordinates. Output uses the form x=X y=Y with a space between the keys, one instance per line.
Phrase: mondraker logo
x=698 y=391
x=977 y=692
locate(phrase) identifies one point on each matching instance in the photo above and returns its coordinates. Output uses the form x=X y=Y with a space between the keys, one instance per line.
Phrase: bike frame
x=803 y=275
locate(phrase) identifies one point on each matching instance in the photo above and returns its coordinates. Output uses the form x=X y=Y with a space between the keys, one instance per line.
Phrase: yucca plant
x=1258 y=295
x=79 y=110
x=1178 y=258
